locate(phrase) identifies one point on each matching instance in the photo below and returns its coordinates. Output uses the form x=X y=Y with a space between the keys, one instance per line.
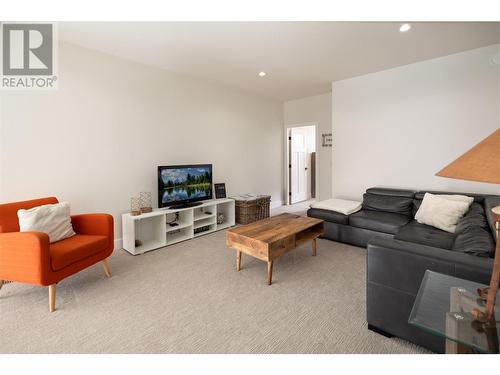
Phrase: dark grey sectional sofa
x=400 y=250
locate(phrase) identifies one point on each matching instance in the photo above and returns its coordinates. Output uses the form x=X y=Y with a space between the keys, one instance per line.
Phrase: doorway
x=302 y=163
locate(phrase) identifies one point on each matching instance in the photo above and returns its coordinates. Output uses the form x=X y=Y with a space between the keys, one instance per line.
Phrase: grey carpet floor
x=188 y=298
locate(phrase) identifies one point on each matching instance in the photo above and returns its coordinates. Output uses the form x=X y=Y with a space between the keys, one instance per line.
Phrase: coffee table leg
x=238 y=260
x=314 y=247
x=269 y=272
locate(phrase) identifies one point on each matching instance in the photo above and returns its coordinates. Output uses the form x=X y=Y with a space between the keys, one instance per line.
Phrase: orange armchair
x=28 y=257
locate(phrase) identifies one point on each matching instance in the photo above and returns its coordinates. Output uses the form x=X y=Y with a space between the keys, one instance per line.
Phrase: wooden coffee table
x=270 y=238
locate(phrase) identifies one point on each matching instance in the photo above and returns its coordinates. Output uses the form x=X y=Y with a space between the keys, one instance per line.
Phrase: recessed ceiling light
x=262 y=74
x=405 y=27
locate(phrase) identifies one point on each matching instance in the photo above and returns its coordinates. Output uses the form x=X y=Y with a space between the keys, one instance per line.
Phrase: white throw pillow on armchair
x=53 y=219
x=443 y=212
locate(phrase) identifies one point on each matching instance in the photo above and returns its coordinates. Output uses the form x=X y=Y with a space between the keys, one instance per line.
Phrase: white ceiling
x=300 y=58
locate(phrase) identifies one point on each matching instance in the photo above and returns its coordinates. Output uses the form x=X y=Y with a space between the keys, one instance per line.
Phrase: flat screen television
x=184 y=185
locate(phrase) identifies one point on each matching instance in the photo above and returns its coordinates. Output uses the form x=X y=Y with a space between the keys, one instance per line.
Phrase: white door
x=298 y=165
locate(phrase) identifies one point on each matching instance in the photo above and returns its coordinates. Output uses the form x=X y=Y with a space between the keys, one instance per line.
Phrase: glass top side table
x=443 y=307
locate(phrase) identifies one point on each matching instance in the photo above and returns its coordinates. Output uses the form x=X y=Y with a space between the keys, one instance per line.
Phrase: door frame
x=286 y=158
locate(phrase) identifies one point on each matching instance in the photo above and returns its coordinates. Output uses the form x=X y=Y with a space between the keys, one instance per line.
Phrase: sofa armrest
x=25 y=257
x=401 y=265
x=328 y=215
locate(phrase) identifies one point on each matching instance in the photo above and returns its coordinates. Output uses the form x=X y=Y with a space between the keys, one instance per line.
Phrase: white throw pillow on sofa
x=53 y=219
x=442 y=212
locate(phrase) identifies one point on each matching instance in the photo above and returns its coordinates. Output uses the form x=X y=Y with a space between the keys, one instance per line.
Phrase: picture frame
x=326 y=140
x=220 y=190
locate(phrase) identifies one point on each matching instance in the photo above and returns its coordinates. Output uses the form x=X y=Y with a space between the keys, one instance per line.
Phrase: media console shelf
x=152 y=230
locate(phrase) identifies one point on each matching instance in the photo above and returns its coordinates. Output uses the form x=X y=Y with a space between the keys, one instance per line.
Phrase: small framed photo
x=326 y=140
x=220 y=191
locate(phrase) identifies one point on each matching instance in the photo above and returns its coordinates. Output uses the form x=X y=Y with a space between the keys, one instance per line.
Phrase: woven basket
x=250 y=210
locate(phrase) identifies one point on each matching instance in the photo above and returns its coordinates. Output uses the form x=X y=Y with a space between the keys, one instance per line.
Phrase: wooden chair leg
x=4 y=282
x=238 y=260
x=106 y=268
x=269 y=272
x=52 y=297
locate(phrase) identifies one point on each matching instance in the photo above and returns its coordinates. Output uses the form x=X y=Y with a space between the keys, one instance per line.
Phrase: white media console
x=152 y=230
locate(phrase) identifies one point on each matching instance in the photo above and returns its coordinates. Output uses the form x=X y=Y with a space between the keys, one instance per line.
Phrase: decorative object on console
x=220 y=217
x=173 y=221
x=482 y=163
x=252 y=207
x=220 y=190
x=135 y=206
x=146 y=205
x=202 y=229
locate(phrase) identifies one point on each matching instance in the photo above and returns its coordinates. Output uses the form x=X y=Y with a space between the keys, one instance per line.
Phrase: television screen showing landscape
x=178 y=184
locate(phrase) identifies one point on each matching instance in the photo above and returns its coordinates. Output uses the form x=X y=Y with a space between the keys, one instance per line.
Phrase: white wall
x=304 y=111
x=398 y=127
x=98 y=139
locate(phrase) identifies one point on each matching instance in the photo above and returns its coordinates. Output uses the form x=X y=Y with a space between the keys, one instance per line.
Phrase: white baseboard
x=118 y=244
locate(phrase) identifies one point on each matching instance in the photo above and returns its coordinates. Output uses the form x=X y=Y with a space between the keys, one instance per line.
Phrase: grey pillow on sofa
x=416 y=206
x=475 y=217
x=475 y=240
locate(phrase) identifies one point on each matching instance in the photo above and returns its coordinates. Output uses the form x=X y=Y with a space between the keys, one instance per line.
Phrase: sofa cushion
x=475 y=217
x=475 y=241
x=328 y=215
x=386 y=222
x=416 y=205
x=75 y=248
x=391 y=192
x=425 y=235
x=385 y=203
